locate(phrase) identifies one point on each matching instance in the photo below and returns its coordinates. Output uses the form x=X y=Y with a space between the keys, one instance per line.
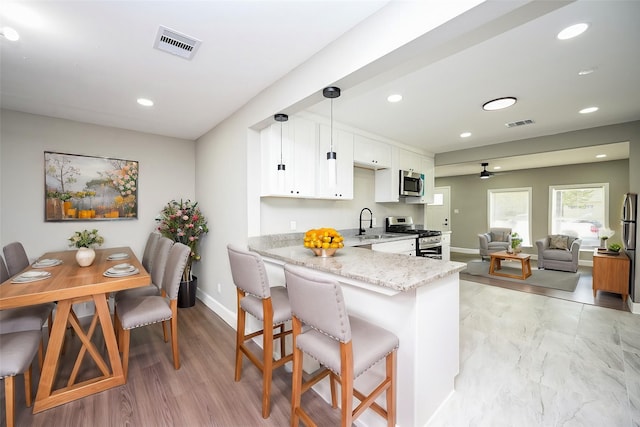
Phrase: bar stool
x=346 y=346
x=270 y=305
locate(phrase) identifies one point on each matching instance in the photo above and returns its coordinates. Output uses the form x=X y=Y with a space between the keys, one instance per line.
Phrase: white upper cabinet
x=371 y=154
x=409 y=161
x=298 y=150
x=343 y=147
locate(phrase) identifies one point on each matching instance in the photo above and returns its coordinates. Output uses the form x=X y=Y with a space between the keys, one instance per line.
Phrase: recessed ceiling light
x=601 y=156
x=145 y=102
x=465 y=134
x=394 y=98
x=572 y=31
x=588 y=110
x=586 y=71
x=10 y=34
x=499 y=103
x=497 y=167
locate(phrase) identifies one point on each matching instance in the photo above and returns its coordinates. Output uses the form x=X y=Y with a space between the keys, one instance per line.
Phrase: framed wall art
x=86 y=188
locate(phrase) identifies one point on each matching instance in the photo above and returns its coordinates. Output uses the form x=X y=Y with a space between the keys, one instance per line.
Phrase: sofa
x=559 y=252
x=495 y=240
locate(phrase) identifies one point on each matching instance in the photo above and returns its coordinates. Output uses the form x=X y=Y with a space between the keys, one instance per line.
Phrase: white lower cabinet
x=406 y=247
x=446 y=246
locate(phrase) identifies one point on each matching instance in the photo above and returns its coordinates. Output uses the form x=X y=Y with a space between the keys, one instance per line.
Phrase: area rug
x=564 y=281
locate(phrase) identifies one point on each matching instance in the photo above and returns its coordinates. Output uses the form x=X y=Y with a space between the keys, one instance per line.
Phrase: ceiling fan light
x=499 y=103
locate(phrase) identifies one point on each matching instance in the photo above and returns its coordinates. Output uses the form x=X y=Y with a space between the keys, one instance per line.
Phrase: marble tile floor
x=530 y=360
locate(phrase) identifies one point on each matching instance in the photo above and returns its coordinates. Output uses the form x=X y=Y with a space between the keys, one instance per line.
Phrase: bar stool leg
x=296 y=380
x=391 y=391
x=239 y=336
x=346 y=378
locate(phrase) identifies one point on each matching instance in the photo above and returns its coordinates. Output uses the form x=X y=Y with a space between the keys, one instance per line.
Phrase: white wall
x=166 y=172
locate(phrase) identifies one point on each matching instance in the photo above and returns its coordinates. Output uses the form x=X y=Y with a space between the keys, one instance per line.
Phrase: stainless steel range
x=428 y=242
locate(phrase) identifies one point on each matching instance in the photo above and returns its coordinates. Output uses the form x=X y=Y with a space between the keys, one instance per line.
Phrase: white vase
x=85 y=256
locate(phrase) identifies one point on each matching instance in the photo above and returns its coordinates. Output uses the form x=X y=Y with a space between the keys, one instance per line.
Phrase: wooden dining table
x=71 y=284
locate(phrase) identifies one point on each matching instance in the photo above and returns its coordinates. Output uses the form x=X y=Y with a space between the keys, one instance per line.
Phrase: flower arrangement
x=603 y=234
x=183 y=222
x=86 y=239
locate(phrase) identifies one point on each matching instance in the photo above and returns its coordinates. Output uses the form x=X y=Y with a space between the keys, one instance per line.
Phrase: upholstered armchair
x=559 y=252
x=495 y=240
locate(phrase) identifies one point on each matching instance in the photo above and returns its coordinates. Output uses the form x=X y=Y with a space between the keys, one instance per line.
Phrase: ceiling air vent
x=176 y=43
x=519 y=123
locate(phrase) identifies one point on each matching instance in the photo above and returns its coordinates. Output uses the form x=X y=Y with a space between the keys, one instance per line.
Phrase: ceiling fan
x=485 y=174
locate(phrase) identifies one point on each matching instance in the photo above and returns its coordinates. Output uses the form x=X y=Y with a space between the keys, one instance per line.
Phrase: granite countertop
x=394 y=271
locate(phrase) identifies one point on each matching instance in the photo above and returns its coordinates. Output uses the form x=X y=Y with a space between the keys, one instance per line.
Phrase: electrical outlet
x=374 y=222
x=293 y=225
x=219 y=288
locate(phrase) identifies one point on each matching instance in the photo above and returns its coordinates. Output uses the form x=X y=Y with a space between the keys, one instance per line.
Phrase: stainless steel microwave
x=411 y=184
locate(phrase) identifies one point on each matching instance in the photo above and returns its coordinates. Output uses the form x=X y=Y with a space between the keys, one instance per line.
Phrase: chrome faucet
x=361 y=230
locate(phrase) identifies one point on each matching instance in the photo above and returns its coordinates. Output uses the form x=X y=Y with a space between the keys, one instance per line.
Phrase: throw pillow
x=497 y=236
x=559 y=242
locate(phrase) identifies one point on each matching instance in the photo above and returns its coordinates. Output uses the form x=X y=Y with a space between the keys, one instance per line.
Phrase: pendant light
x=281 y=166
x=331 y=92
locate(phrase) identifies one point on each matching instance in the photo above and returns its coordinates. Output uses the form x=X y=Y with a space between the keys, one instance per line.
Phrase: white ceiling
x=89 y=61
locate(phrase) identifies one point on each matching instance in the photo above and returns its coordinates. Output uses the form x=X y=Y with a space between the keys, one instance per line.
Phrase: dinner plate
x=31 y=276
x=119 y=255
x=112 y=273
x=121 y=268
x=44 y=263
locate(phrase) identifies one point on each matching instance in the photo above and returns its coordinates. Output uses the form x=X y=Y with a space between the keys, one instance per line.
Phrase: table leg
x=47 y=397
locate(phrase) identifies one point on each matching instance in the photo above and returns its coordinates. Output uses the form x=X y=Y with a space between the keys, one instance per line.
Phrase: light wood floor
x=201 y=393
x=583 y=292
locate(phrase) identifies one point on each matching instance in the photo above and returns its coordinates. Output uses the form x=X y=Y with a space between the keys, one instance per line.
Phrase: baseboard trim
x=225 y=314
x=634 y=307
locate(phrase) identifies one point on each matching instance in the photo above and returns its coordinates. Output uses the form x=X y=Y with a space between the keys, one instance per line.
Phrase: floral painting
x=85 y=188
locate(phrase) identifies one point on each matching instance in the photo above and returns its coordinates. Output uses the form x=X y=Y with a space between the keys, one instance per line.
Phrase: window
x=511 y=208
x=579 y=210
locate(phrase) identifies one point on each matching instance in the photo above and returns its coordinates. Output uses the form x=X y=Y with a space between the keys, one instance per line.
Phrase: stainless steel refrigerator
x=629 y=223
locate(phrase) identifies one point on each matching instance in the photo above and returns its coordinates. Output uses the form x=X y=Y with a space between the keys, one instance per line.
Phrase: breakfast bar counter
x=415 y=298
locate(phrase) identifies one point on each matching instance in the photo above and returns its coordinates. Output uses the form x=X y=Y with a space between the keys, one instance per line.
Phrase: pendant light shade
x=332 y=92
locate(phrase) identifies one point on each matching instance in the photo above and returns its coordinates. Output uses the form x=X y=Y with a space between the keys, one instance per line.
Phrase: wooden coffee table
x=497 y=257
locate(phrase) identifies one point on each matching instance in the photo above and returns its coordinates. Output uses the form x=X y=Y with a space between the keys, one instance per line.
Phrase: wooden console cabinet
x=611 y=273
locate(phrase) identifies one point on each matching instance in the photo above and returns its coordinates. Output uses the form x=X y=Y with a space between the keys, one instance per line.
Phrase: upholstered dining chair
x=141 y=311
x=346 y=346
x=158 y=266
x=29 y=318
x=17 y=350
x=16 y=258
x=268 y=304
x=149 y=248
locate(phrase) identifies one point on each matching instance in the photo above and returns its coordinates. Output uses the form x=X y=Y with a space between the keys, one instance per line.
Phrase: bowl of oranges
x=324 y=242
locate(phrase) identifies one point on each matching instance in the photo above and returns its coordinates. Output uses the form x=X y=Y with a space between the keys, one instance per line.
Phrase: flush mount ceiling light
x=572 y=31
x=394 y=98
x=588 y=110
x=499 y=103
x=9 y=34
x=332 y=92
x=145 y=102
x=485 y=174
x=587 y=71
x=601 y=156
x=465 y=134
